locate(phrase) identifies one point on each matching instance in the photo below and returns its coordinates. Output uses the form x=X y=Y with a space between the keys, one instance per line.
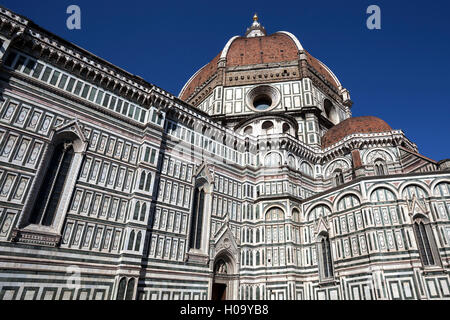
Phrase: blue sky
x=400 y=73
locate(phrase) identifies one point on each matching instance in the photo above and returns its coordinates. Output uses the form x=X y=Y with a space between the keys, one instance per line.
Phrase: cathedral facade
x=254 y=183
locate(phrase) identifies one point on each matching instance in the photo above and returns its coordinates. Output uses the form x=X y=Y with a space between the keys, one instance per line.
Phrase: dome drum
x=268 y=125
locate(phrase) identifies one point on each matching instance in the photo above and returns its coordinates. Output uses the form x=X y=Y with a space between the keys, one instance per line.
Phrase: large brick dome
x=279 y=48
x=366 y=124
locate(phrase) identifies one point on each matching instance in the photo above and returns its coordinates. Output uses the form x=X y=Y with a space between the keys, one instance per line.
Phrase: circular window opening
x=262 y=102
x=263 y=98
x=248 y=130
x=267 y=127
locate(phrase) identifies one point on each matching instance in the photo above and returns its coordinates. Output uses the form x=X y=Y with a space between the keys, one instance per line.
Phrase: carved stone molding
x=198 y=258
x=35 y=238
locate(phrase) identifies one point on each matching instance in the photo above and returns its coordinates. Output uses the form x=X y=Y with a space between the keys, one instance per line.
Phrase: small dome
x=367 y=124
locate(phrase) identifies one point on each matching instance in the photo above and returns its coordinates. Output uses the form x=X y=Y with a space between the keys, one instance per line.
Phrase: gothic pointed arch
x=225 y=265
x=325 y=257
x=49 y=200
x=426 y=243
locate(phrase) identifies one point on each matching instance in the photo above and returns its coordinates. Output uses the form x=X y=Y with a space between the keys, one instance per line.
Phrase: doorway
x=219 y=292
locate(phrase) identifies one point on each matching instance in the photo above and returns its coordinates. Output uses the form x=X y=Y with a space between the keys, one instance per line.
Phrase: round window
x=263 y=98
x=262 y=102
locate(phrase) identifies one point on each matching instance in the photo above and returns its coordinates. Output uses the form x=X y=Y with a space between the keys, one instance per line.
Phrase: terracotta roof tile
x=367 y=124
x=274 y=48
x=204 y=74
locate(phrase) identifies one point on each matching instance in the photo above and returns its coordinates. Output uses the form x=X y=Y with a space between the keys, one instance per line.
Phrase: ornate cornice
x=35 y=238
x=31 y=38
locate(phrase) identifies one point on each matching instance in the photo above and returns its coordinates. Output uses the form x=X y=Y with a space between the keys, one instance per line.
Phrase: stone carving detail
x=338 y=164
x=33 y=237
x=221 y=267
x=378 y=154
x=226 y=243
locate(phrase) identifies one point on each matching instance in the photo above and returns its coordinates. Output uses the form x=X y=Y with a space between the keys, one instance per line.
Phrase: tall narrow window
x=143 y=212
x=121 y=289
x=326 y=262
x=138 y=242
x=125 y=290
x=338 y=178
x=49 y=194
x=380 y=167
x=197 y=219
x=131 y=240
x=137 y=208
x=149 y=182
x=130 y=290
x=142 y=181
x=425 y=242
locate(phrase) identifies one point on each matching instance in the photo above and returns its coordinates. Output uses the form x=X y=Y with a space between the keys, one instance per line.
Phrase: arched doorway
x=223 y=286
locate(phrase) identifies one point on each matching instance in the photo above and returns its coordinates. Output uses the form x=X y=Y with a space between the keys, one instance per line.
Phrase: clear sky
x=400 y=73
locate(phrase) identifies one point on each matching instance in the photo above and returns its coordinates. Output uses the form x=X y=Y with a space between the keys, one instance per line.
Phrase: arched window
x=121 y=289
x=131 y=240
x=275 y=214
x=296 y=215
x=138 y=241
x=317 y=212
x=49 y=194
x=149 y=182
x=416 y=190
x=442 y=190
x=291 y=162
x=286 y=128
x=197 y=219
x=348 y=202
x=130 y=290
x=258 y=258
x=136 y=210
x=267 y=127
x=382 y=195
x=142 y=181
x=143 y=212
x=306 y=169
x=248 y=130
x=273 y=159
x=325 y=258
x=330 y=111
x=425 y=243
x=380 y=167
x=338 y=177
